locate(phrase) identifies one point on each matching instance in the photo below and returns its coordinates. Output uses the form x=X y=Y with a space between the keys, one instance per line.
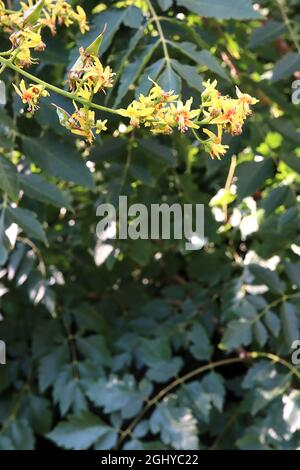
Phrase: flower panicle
x=228 y=114
x=25 y=25
x=43 y=13
x=161 y=111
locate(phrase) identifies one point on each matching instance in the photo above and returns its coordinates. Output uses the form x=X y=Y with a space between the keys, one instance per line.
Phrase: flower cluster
x=43 y=13
x=31 y=95
x=226 y=113
x=88 y=76
x=25 y=25
x=81 y=122
x=158 y=111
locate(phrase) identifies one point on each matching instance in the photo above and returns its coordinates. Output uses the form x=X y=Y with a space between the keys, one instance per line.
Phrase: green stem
x=196 y=136
x=282 y=7
x=57 y=90
x=160 y=31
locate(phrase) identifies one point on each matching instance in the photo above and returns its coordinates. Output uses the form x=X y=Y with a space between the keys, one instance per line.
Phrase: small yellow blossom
x=81 y=122
x=223 y=110
x=89 y=74
x=158 y=111
x=184 y=115
x=138 y=112
x=214 y=145
x=31 y=95
x=23 y=41
x=80 y=17
x=101 y=126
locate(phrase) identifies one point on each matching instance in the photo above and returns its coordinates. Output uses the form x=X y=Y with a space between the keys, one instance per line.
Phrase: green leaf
x=63 y=115
x=68 y=393
x=169 y=80
x=37 y=188
x=287 y=129
x=275 y=198
x=260 y=333
x=159 y=151
x=132 y=71
x=94 y=47
x=222 y=9
x=156 y=354
x=134 y=17
x=152 y=71
x=286 y=66
x=4 y=241
x=165 y=4
x=292 y=161
x=50 y=366
x=252 y=175
x=95 y=348
x=112 y=18
x=58 y=158
x=32 y=14
x=293 y=273
x=289 y=322
x=6 y=444
x=38 y=413
x=267 y=277
x=79 y=432
x=27 y=220
x=9 y=178
x=267 y=33
x=273 y=323
x=7 y=127
x=213 y=384
x=201 y=347
x=203 y=57
x=176 y=425
x=237 y=333
x=20 y=435
x=189 y=74
x=116 y=394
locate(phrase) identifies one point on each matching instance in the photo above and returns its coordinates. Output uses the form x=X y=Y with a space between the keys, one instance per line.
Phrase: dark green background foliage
x=89 y=344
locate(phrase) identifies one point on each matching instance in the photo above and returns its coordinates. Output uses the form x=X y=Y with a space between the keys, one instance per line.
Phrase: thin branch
x=59 y=91
x=156 y=20
x=228 y=184
x=282 y=7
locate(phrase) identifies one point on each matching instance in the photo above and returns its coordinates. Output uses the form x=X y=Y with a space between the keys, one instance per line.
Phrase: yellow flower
x=80 y=17
x=101 y=126
x=214 y=145
x=184 y=115
x=97 y=77
x=81 y=122
x=138 y=111
x=157 y=93
x=23 y=41
x=31 y=95
x=245 y=101
x=28 y=38
x=210 y=96
x=225 y=111
x=89 y=73
x=85 y=93
x=49 y=21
